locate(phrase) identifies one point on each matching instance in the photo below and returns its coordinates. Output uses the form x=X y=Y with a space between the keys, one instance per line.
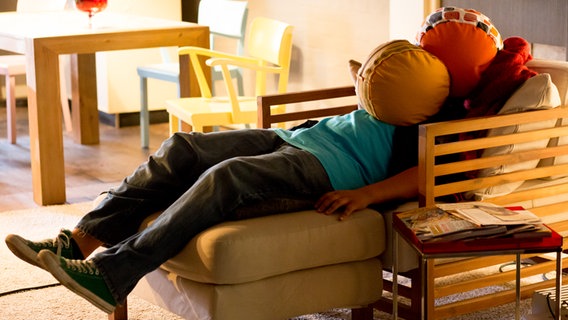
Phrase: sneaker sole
x=51 y=263
x=20 y=249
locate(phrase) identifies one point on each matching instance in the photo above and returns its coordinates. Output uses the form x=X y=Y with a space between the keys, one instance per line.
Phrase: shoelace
x=82 y=266
x=61 y=241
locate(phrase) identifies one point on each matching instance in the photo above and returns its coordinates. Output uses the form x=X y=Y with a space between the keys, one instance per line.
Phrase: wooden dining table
x=42 y=37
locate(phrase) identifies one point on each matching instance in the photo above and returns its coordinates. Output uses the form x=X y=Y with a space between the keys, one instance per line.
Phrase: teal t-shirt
x=354 y=149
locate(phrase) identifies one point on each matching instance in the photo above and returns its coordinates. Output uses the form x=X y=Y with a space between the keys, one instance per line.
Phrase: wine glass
x=91 y=7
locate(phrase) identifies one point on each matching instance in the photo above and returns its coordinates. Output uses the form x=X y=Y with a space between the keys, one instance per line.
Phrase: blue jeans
x=197 y=180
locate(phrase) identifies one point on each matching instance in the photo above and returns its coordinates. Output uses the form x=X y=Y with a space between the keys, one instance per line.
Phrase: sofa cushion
x=558 y=71
x=252 y=249
x=535 y=94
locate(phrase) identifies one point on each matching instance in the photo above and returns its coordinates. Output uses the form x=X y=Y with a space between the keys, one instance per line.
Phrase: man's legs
x=213 y=198
x=151 y=188
x=170 y=172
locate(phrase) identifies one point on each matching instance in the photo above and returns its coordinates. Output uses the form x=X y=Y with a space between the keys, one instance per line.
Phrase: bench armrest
x=266 y=118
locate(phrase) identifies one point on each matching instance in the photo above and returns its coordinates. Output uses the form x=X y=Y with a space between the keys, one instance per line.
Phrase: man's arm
x=401 y=186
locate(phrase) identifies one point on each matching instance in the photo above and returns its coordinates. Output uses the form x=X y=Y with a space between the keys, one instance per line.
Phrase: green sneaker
x=27 y=250
x=80 y=276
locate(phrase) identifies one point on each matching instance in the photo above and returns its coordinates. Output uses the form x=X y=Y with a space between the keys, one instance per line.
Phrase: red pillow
x=465 y=40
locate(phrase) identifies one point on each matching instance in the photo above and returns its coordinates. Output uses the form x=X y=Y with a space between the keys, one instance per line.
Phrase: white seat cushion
x=252 y=249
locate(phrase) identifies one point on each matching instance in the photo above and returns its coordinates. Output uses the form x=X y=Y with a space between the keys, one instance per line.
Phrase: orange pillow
x=465 y=40
x=401 y=83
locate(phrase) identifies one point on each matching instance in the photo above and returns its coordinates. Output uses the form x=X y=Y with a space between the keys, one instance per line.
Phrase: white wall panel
x=117 y=80
x=330 y=32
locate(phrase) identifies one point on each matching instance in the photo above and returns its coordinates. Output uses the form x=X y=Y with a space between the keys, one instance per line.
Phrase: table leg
x=518 y=287
x=188 y=86
x=84 y=104
x=144 y=113
x=395 y=275
x=46 y=137
x=423 y=288
x=429 y=296
x=558 y=285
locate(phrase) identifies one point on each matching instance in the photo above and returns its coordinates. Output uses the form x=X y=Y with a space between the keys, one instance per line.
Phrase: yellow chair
x=15 y=65
x=225 y=19
x=269 y=49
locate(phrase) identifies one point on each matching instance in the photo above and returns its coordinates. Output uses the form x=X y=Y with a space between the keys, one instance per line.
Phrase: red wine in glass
x=91 y=7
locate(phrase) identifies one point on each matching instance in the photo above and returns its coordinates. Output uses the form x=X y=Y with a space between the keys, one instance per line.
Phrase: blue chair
x=225 y=18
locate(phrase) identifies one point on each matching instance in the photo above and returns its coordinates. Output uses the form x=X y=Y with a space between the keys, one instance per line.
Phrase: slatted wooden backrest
x=431 y=169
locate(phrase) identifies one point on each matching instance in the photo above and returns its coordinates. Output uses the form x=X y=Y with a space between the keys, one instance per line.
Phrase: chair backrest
x=269 y=48
x=271 y=41
x=40 y=5
x=269 y=45
x=225 y=18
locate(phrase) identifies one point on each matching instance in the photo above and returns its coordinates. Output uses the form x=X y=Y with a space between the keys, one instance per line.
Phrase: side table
x=469 y=248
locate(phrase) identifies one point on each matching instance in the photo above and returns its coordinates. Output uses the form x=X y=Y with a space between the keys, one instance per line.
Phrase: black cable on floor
x=549 y=306
x=7 y=293
x=562 y=304
x=525 y=263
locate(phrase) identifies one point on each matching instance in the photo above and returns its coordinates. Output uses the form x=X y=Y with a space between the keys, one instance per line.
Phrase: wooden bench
x=545 y=197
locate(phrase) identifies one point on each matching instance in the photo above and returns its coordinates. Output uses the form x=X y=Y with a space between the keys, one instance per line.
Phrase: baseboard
x=117 y=120
x=120 y=120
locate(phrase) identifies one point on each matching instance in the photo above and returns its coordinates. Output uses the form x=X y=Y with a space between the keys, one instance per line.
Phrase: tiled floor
x=89 y=169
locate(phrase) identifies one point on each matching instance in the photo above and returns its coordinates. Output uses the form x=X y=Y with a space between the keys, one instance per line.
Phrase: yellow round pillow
x=402 y=84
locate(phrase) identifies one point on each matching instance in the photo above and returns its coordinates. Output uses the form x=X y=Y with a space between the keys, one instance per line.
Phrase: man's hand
x=349 y=200
x=400 y=186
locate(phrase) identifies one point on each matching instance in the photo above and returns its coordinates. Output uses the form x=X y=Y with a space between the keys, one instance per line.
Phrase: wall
x=407 y=17
x=117 y=80
x=539 y=22
x=330 y=32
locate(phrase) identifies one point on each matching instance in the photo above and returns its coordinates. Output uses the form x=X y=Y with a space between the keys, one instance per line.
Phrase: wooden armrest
x=245 y=63
x=199 y=51
x=266 y=119
x=197 y=57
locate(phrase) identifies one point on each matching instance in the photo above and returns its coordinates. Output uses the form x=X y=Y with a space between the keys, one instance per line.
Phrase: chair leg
x=144 y=113
x=240 y=86
x=11 y=107
x=120 y=313
x=66 y=114
x=64 y=98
